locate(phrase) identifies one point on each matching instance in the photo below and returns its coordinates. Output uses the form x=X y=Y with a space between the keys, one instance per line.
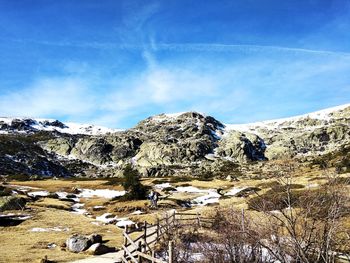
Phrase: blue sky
x=116 y=62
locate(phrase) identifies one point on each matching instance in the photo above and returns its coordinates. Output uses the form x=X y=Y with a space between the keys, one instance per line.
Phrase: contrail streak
x=183 y=47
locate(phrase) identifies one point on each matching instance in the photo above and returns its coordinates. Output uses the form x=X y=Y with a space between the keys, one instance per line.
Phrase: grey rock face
x=166 y=145
x=242 y=147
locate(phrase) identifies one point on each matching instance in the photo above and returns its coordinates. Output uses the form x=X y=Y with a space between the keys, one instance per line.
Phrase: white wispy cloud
x=49 y=96
x=257 y=87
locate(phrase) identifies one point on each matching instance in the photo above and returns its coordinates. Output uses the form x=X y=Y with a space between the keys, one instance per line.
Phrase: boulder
x=99 y=249
x=95 y=238
x=242 y=147
x=78 y=243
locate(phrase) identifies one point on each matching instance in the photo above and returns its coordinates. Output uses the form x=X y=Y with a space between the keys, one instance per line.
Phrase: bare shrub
x=305 y=225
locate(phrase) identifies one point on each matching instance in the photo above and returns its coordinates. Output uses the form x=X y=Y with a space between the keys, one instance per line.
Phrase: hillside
x=167 y=144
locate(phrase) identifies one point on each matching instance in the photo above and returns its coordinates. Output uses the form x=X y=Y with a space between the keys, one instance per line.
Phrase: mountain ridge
x=229 y=126
x=187 y=143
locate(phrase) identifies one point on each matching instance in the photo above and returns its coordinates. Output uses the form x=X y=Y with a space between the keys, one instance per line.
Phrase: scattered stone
x=78 y=243
x=99 y=249
x=51 y=245
x=71 y=196
x=95 y=238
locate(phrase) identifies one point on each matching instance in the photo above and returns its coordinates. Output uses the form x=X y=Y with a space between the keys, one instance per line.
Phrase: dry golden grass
x=20 y=244
x=53 y=203
x=67 y=185
x=209 y=184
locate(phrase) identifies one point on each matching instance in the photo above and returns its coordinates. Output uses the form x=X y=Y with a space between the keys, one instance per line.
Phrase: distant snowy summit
x=27 y=125
x=309 y=120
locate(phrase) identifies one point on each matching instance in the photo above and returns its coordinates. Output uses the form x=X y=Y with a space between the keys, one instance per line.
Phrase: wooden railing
x=140 y=247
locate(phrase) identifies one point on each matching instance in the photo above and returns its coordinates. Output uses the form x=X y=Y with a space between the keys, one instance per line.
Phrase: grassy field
x=21 y=244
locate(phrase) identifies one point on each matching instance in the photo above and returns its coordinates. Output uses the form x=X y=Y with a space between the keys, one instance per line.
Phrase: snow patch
x=51 y=229
x=104 y=193
x=235 y=190
x=323 y=115
x=137 y=212
x=211 y=197
x=39 y=194
x=162 y=186
x=107 y=218
x=77 y=209
x=124 y=222
x=69 y=127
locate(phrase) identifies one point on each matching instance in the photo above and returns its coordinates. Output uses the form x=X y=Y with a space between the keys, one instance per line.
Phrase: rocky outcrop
x=242 y=147
x=167 y=144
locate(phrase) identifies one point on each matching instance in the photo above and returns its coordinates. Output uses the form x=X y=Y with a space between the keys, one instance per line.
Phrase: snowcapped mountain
x=321 y=117
x=25 y=125
x=167 y=144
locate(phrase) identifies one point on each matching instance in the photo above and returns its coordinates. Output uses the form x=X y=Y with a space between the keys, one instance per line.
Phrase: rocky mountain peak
x=167 y=144
x=181 y=125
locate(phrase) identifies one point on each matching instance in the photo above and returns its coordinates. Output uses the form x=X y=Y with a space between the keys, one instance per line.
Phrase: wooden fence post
x=243 y=226
x=170 y=252
x=145 y=237
x=139 y=248
x=166 y=223
x=199 y=220
x=125 y=241
x=158 y=230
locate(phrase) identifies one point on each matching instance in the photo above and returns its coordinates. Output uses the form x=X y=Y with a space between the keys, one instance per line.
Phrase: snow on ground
x=190 y=189
x=235 y=190
x=107 y=218
x=104 y=193
x=99 y=207
x=77 y=209
x=51 y=229
x=162 y=186
x=274 y=124
x=211 y=197
x=123 y=222
x=164 y=116
x=39 y=193
x=137 y=212
x=69 y=127
x=63 y=195
x=17 y=216
x=312 y=186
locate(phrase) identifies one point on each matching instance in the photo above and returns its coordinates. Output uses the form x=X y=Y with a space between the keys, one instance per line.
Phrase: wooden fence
x=139 y=248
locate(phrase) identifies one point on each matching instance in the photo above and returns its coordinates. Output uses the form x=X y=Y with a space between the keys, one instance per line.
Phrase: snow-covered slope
x=323 y=116
x=23 y=125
